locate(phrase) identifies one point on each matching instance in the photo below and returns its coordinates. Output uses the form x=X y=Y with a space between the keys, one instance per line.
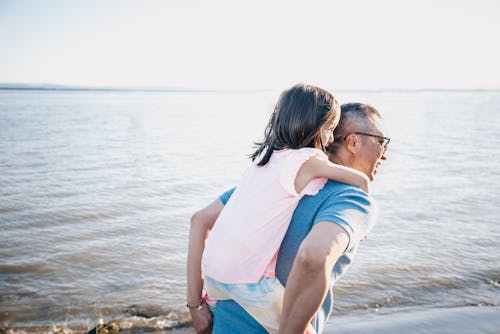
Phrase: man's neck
x=340 y=160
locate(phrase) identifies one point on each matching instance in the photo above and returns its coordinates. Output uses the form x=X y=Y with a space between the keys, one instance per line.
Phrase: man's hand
x=202 y=319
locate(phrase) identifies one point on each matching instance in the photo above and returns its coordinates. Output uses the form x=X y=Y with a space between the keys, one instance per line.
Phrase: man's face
x=373 y=148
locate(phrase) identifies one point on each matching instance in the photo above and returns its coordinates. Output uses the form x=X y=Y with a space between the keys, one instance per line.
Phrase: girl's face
x=327 y=133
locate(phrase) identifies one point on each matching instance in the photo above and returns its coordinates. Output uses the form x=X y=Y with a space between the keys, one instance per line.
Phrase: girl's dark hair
x=297 y=120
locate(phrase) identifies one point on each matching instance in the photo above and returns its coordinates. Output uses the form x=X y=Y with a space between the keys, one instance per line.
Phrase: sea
x=97 y=188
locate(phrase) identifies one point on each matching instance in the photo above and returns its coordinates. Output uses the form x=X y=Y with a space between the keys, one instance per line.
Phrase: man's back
x=338 y=203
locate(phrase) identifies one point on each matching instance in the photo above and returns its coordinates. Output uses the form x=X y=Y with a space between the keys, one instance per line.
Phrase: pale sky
x=257 y=44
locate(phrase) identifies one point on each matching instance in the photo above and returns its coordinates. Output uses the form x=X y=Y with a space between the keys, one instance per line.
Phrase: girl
x=240 y=254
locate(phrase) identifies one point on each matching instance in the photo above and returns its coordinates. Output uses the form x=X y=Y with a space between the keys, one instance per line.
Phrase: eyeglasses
x=383 y=141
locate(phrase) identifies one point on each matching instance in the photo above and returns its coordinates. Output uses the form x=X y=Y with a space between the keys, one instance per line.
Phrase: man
x=321 y=240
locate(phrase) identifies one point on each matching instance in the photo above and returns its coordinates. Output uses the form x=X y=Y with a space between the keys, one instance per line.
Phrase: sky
x=258 y=44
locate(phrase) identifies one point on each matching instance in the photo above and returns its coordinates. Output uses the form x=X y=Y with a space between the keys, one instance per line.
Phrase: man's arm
x=309 y=278
x=201 y=225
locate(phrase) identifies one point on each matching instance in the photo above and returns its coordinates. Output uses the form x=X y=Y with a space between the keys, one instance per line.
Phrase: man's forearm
x=309 y=279
x=197 y=238
x=201 y=224
x=303 y=297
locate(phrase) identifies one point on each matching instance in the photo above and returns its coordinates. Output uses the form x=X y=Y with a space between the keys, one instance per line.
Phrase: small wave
x=171 y=321
x=21 y=268
x=10 y=210
x=133 y=319
x=468 y=289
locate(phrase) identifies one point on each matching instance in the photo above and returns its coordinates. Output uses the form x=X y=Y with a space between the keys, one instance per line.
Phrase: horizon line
x=70 y=87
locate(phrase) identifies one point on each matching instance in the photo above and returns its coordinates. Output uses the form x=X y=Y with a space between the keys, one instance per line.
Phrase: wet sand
x=470 y=320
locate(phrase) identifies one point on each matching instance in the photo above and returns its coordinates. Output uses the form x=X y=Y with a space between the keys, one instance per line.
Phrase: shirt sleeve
x=225 y=196
x=352 y=209
x=291 y=168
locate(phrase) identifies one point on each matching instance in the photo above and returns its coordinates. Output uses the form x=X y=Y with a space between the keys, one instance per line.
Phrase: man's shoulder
x=336 y=202
x=334 y=190
x=340 y=203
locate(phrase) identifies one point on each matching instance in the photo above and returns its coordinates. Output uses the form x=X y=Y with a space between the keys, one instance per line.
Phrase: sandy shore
x=470 y=320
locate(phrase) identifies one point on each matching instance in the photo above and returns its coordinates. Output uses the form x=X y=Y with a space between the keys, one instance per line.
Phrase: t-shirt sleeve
x=225 y=196
x=352 y=209
x=291 y=167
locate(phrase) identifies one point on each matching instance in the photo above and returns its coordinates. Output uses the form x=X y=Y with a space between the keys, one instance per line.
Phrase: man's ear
x=352 y=143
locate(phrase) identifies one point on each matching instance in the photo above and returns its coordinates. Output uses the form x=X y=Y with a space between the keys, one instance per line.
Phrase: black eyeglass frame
x=386 y=140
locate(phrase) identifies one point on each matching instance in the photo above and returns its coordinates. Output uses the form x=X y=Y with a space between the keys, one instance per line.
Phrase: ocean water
x=97 y=189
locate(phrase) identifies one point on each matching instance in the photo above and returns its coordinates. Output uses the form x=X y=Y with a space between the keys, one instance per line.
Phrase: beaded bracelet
x=199 y=307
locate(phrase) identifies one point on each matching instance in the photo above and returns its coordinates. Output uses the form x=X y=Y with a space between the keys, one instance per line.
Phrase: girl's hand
x=202 y=319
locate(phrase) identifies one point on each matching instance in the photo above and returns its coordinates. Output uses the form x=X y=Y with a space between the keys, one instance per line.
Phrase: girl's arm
x=201 y=225
x=319 y=167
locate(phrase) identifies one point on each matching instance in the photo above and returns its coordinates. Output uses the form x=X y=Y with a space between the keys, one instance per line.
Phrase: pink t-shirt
x=244 y=242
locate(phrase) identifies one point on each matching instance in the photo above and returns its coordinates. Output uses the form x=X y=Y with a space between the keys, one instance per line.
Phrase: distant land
x=50 y=86
x=62 y=87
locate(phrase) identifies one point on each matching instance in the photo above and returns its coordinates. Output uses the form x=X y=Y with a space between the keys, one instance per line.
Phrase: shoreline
x=468 y=319
x=456 y=320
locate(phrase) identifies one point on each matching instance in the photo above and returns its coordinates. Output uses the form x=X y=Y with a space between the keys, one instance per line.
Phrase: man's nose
x=383 y=156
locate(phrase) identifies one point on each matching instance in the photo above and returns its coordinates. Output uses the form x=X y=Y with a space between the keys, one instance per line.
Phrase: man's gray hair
x=353 y=117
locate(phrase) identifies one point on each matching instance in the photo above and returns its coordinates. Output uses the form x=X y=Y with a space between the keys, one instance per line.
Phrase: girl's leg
x=264 y=302
x=216 y=290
